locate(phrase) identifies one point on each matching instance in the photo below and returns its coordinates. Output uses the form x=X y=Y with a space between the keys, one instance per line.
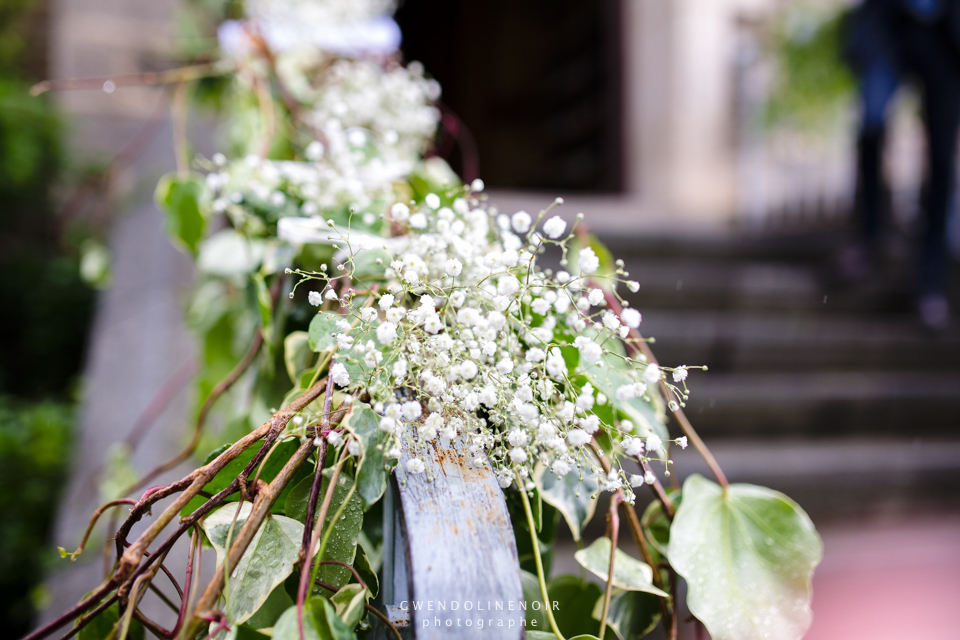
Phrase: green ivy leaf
x=268 y=471
x=296 y=352
x=628 y=572
x=270 y=611
x=536 y=618
x=373 y=472
x=748 y=555
x=230 y=253
x=322 y=328
x=320 y=622
x=348 y=603
x=179 y=198
x=342 y=545
x=632 y=614
x=571 y=496
x=101 y=627
x=366 y=571
x=575 y=599
x=648 y=416
x=267 y=562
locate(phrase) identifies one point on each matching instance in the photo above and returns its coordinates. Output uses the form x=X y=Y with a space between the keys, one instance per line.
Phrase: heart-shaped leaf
x=372 y=475
x=322 y=328
x=349 y=602
x=571 y=496
x=646 y=413
x=266 y=563
x=748 y=555
x=632 y=614
x=628 y=572
x=342 y=545
x=320 y=622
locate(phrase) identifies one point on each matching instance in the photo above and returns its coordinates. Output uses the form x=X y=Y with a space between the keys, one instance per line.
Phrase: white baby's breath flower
x=590 y=351
x=578 y=437
x=556 y=366
x=521 y=222
x=354 y=447
x=518 y=455
x=554 y=227
x=368 y=314
x=395 y=314
x=415 y=466
x=386 y=301
x=588 y=260
x=468 y=370
x=561 y=467
x=418 y=221
x=633 y=447
x=682 y=442
x=654 y=443
x=339 y=374
x=454 y=267
x=432 y=200
x=386 y=332
x=651 y=375
x=315 y=298
x=334 y=439
x=535 y=354
x=680 y=374
x=630 y=317
x=610 y=321
x=649 y=477
x=388 y=425
x=540 y=306
x=595 y=297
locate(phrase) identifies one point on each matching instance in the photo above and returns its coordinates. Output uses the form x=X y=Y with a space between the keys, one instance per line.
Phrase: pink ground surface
x=895 y=581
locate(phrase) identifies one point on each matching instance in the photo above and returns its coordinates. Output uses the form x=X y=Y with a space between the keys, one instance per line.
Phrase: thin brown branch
x=171 y=76
x=384 y=619
x=93 y=522
x=614 y=521
x=222 y=387
x=637 y=343
x=261 y=509
x=154 y=628
x=636 y=532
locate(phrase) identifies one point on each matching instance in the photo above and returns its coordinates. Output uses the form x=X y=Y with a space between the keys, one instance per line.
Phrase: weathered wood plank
x=463 y=577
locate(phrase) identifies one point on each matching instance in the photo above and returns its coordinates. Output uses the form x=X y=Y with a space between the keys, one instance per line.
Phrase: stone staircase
x=834 y=394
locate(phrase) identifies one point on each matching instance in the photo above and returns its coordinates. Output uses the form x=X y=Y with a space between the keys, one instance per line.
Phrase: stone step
x=821 y=404
x=743 y=341
x=751 y=285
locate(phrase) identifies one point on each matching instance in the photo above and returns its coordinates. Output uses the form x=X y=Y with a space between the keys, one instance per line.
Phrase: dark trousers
x=930 y=58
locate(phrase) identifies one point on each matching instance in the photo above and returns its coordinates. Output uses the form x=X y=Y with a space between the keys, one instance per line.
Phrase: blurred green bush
x=34 y=455
x=46 y=316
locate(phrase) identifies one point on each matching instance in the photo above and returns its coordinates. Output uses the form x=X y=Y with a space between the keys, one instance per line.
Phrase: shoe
x=935 y=311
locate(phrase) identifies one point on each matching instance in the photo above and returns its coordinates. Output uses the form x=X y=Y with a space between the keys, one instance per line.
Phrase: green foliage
x=814 y=83
x=572 y=496
x=320 y=622
x=646 y=413
x=179 y=198
x=265 y=564
x=531 y=594
x=748 y=555
x=34 y=442
x=628 y=573
x=342 y=545
x=575 y=600
x=102 y=627
x=374 y=468
x=632 y=614
x=322 y=328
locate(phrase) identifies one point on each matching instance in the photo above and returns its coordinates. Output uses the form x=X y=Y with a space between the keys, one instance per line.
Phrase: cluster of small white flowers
x=373 y=124
x=466 y=337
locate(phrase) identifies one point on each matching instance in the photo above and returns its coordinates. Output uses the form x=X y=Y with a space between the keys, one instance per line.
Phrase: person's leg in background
x=878 y=84
x=931 y=57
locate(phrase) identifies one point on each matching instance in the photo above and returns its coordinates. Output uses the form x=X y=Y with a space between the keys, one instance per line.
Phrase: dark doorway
x=536 y=82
